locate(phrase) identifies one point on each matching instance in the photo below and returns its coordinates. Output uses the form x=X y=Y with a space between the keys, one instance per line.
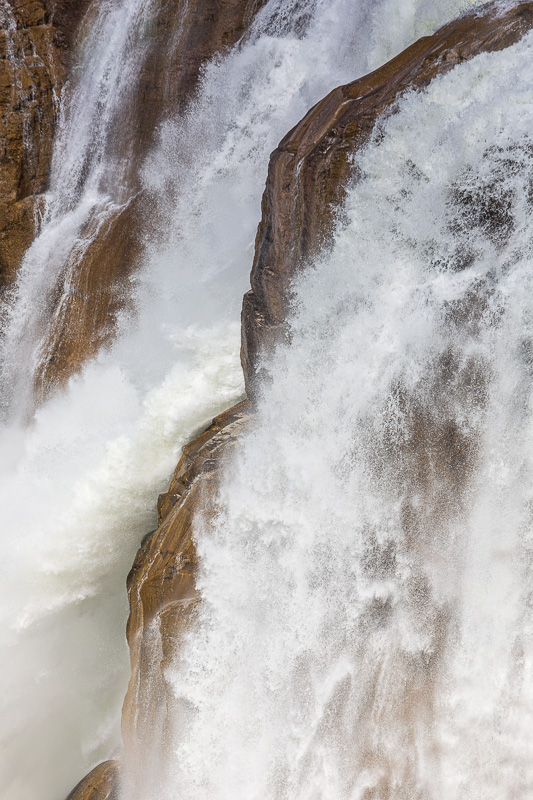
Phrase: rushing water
x=366 y=623
x=78 y=482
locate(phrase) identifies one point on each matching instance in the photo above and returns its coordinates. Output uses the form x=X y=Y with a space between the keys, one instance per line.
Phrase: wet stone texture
x=38 y=42
x=311 y=167
x=182 y=38
x=36 y=39
x=100 y=784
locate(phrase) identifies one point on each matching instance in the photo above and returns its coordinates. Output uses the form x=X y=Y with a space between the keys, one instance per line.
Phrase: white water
x=366 y=625
x=87 y=181
x=79 y=482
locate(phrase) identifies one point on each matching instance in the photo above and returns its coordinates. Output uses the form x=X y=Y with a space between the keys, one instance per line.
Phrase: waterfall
x=81 y=471
x=365 y=628
x=87 y=185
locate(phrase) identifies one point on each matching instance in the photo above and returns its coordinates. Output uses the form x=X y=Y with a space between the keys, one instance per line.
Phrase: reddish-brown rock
x=161 y=584
x=86 y=314
x=36 y=44
x=100 y=784
x=36 y=38
x=309 y=170
x=182 y=38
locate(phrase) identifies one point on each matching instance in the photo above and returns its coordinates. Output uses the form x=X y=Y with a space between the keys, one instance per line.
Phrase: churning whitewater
x=366 y=629
x=81 y=473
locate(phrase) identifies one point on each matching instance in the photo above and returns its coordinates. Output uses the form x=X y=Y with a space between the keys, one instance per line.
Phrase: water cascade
x=365 y=627
x=81 y=471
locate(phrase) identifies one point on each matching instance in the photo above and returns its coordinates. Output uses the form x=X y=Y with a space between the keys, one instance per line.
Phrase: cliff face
x=161 y=584
x=36 y=49
x=36 y=41
x=83 y=316
x=307 y=178
x=310 y=169
x=181 y=38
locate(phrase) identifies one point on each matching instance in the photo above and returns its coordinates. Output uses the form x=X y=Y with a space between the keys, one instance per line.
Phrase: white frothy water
x=87 y=182
x=79 y=482
x=366 y=627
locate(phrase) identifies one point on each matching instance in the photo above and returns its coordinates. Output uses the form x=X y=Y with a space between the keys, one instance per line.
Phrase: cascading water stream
x=365 y=630
x=79 y=480
x=87 y=182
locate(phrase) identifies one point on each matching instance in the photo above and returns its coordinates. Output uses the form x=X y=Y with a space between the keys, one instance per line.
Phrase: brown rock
x=91 y=291
x=65 y=17
x=19 y=223
x=182 y=38
x=29 y=74
x=309 y=170
x=161 y=584
x=33 y=62
x=35 y=45
x=100 y=784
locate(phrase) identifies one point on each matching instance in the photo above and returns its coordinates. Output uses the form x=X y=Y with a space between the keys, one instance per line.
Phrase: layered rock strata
x=36 y=40
x=161 y=585
x=313 y=164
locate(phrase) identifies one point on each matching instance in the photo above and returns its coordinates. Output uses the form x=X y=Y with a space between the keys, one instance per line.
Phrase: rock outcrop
x=100 y=784
x=310 y=169
x=162 y=591
x=182 y=37
x=84 y=316
x=36 y=40
x=161 y=584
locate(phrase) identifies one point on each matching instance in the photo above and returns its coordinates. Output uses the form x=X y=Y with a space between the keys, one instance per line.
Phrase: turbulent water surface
x=372 y=576
x=366 y=627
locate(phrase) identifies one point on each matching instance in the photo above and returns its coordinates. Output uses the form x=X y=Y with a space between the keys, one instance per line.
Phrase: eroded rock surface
x=37 y=42
x=161 y=584
x=181 y=38
x=36 y=39
x=85 y=314
x=310 y=169
x=100 y=784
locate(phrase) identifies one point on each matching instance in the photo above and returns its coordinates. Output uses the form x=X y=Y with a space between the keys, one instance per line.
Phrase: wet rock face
x=309 y=170
x=182 y=37
x=100 y=784
x=162 y=590
x=36 y=39
x=85 y=315
x=36 y=45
